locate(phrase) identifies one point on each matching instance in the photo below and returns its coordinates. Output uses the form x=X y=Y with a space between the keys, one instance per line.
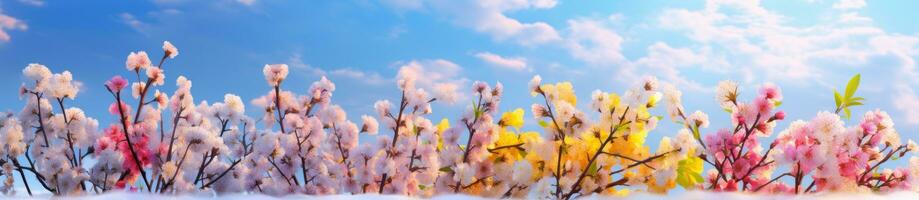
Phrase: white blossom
x=275 y=73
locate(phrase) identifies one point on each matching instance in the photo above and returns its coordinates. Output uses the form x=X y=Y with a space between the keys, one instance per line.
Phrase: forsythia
x=161 y=142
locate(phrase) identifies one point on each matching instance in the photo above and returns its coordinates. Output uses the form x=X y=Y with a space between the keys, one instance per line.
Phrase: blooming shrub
x=305 y=144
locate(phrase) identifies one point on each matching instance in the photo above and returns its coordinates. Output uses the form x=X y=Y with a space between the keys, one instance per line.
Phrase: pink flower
x=780 y=115
x=771 y=92
x=116 y=83
x=171 y=51
x=137 y=61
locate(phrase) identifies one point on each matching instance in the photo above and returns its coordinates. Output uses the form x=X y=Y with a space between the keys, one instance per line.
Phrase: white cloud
x=514 y=63
x=442 y=77
x=591 y=41
x=759 y=42
x=404 y=4
x=849 y=4
x=247 y=2
x=907 y=101
x=134 y=23
x=33 y=2
x=9 y=23
x=366 y=77
x=295 y=61
x=488 y=17
x=667 y=63
x=759 y=45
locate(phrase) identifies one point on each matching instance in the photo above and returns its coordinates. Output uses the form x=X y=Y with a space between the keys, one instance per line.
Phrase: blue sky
x=808 y=47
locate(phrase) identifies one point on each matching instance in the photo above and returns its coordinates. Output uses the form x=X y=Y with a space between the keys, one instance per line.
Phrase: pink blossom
x=137 y=61
x=116 y=83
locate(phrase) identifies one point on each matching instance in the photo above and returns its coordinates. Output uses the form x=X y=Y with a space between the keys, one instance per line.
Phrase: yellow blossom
x=513 y=118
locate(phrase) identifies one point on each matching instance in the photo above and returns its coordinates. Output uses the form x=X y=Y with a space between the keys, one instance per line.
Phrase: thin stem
x=124 y=125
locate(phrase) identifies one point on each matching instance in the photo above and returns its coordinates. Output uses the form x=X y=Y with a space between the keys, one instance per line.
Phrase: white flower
x=11 y=139
x=464 y=173
x=406 y=77
x=912 y=146
x=699 y=118
x=826 y=125
x=171 y=51
x=137 y=61
x=234 y=103
x=382 y=107
x=891 y=138
x=685 y=142
x=197 y=138
x=333 y=114
x=370 y=125
x=137 y=88
x=534 y=85
x=38 y=75
x=523 y=172
x=600 y=100
x=539 y=111
x=170 y=169
x=156 y=74
x=275 y=73
x=564 y=110
x=62 y=86
x=726 y=94
x=914 y=166
x=322 y=90
x=674 y=103
x=543 y=189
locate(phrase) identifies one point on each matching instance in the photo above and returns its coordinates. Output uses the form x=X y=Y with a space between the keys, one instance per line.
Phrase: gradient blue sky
x=808 y=47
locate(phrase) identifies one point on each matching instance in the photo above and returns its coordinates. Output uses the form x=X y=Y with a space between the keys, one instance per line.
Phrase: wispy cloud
x=9 y=23
x=439 y=75
x=371 y=78
x=592 y=41
x=367 y=77
x=132 y=21
x=513 y=63
x=849 y=4
x=247 y=2
x=38 y=3
x=489 y=17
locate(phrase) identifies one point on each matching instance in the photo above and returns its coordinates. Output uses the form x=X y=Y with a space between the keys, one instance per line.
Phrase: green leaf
x=593 y=169
x=543 y=123
x=854 y=103
x=852 y=86
x=689 y=172
x=446 y=169
x=838 y=98
x=778 y=103
x=695 y=133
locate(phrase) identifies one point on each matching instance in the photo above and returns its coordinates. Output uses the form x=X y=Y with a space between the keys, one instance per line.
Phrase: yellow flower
x=441 y=127
x=566 y=93
x=509 y=144
x=513 y=118
x=654 y=99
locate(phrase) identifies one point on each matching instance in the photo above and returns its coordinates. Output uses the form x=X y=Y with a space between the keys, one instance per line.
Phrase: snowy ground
x=687 y=195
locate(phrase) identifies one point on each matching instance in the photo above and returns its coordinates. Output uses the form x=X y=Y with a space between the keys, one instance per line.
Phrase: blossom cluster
x=303 y=143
